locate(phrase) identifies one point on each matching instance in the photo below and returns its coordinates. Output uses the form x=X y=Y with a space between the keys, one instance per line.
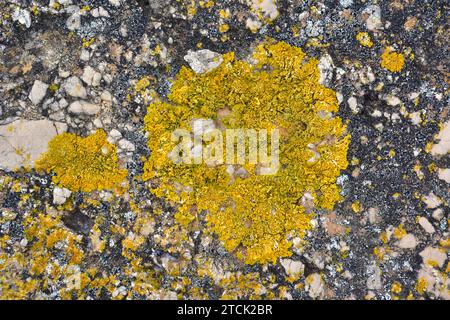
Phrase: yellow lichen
x=356 y=207
x=379 y=252
x=364 y=39
x=225 y=14
x=142 y=84
x=445 y=243
x=53 y=87
x=396 y=287
x=384 y=237
x=191 y=9
x=392 y=61
x=224 y=28
x=421 y=285
x=88 y=42
x=84 y=164
x=43 y=232
x=56 y=5
x=400 y=232
x=255 y=217
x=85 y=8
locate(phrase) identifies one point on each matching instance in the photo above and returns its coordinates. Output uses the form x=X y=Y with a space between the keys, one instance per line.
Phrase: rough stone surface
x=60 y=195
x=408 y=242
x=203 y=61
x=38 y=92
x=432 y=256
x=22 y=141
x=75 y=88
x=293 y=268
x=82 y=107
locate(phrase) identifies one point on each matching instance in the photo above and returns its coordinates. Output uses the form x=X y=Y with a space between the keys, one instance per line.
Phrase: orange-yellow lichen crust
x=82 y=164
x=255 y=217
x=392 y=61
x=364 y=39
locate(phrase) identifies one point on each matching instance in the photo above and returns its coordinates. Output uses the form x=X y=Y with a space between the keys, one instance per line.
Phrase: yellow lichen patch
x=45 y=234
x=142 y=84
x=364 y=39
x=445 y=243
x=356 y=207
x=84 y=164
x=238 y=286
x=255 y=216
x=392 y=61
x=224 y=28
x=396 y=287
x=379 y=252
x=225 y=14
x=206 y=4
x=421 y=285
x=88 y=42
x=400 y=232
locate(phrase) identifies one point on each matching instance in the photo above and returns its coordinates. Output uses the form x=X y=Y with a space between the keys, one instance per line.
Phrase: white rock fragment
x=438 y=214
x=115 y=3
x=82 y=107
x=319 y=258
x=115 y=134
x=106 y=96
x=413 y=95
x=85 y=55
x=374 y=215
x=393 y=101
x=293 y=268
x=426 y=225
x=315 y=285
x=23 y=141
x=353 y=104
x=443 y=146
x=407 y=242
x=74 y=22
x=432 y=201
x=38 y=92
x=91 y=77
x=444 y=174
x=376 y=113
x=253 y=25
x=203 y=61
x=366 y=75
x=267 y=7
x=345 y=3
x=415 y=118
x=373 y=21
x=97 y=123
x=374 y=279
x=63 y=103
x=326 y=69
x=74 y=88
x=433 y=256
x=22 y=16
x=63 y=73
x=60 y=195
x=126 y=145
x=99 y=12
